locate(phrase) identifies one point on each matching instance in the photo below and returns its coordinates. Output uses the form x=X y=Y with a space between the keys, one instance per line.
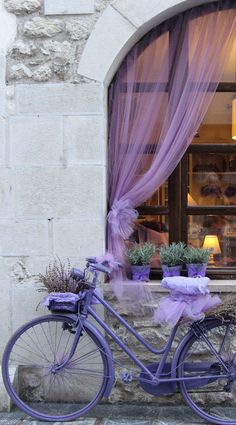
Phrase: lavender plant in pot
x=139 y=256
x=196 y=260
x=61 y=287
x=172 y=258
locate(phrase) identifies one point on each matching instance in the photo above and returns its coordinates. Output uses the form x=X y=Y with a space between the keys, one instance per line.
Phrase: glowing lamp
x=212 y=242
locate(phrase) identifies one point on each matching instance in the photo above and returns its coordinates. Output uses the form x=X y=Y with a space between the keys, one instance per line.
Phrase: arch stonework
x=122 y=24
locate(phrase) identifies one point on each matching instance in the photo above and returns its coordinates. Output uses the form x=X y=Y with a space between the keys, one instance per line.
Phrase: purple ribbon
x=121 y=218
x=140 y=276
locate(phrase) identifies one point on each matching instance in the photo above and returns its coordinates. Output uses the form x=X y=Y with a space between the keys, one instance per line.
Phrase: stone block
x=42 y=27
x=6 y=193
x=19 y=71
x=5 y=401
x=20 y=7
x=68 y=7
x=79 y=421
x=23 y=238
x=84 y=139
x=43 y=73
x=59 y=98
x=78 y=30
x=2 y=68
x=82 y=238
x=5 y=304
x=2 y=101
x=26 y=303
x=10 y=101
x=36 y=140
x=144 y=12
x=115 y=28
x=23 y=49
x=2 y=142
x=59 y=192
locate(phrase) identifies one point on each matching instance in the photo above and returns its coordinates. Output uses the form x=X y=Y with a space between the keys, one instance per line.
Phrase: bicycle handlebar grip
x=76 y=274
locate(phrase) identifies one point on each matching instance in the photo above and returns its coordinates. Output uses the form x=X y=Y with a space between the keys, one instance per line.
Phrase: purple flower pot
x=171 y=271
x=195 y=270
x=140 y=272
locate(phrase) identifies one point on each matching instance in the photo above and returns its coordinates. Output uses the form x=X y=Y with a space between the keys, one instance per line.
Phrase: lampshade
x=212 y=242
x=234 y=119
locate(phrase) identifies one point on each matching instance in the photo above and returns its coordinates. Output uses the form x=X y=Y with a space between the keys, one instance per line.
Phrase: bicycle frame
x=151 y=378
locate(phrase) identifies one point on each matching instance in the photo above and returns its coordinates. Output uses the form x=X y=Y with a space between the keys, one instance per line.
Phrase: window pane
x=221 y=226
x=217 y=124
x=212 y=179
x=160 y=197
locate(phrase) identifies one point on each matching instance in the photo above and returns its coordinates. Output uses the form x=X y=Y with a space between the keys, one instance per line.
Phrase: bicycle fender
x=106 y=349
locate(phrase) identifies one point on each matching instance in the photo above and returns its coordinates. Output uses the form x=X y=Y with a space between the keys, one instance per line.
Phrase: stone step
x=5 y=401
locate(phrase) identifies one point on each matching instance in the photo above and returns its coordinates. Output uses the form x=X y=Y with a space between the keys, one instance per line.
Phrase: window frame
x=177 y=208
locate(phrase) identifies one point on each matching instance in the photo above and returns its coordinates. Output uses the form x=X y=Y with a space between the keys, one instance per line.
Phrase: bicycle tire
x=210 y=398
x=37 y=390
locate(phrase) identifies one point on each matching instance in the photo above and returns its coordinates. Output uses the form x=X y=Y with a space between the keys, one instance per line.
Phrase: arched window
x=199 y=197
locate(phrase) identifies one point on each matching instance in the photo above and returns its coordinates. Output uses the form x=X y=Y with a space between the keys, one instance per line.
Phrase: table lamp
x=212 y=242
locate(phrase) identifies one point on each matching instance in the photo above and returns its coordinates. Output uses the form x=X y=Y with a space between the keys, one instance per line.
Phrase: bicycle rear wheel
x=212 y=398
x=32 y=354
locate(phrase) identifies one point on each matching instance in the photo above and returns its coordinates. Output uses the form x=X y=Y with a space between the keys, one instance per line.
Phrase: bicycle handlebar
x=100 y=267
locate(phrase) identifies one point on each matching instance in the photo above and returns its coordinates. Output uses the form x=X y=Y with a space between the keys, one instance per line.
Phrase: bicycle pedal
x=126 y=377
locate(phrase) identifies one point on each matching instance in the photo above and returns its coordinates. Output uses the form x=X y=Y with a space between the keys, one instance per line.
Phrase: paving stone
x=178 y=416
x=126 y=422
x=78 y=422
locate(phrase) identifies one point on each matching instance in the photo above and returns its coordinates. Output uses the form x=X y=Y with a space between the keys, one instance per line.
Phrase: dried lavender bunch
x=57 y=278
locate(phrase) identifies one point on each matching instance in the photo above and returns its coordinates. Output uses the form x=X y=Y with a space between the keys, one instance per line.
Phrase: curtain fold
x=157 y=101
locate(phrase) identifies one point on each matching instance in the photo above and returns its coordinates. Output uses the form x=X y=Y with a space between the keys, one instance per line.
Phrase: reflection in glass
x=221 y=230
x=153 y=229
x=212 y=179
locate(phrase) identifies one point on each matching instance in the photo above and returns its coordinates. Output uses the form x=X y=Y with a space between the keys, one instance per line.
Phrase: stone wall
x=157 y=335
x=50 y=38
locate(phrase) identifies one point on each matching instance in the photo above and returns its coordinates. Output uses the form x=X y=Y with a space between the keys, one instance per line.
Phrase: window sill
x=216 y=286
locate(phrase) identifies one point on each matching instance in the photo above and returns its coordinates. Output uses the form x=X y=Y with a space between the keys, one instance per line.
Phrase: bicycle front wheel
x=213 y=396
x=33 y=383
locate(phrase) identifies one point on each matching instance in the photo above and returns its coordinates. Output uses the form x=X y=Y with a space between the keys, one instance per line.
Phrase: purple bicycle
x=59 y=366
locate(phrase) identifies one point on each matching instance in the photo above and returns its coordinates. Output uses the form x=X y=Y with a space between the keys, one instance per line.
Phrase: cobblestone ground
x=118 y=415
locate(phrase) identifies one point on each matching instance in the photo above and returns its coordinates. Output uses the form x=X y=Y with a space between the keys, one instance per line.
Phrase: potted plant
x=172 y=258
x=196 y=260
x=139 y=256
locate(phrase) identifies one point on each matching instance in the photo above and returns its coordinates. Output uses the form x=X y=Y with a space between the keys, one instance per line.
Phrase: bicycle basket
x=62 y=302
x=65 y=307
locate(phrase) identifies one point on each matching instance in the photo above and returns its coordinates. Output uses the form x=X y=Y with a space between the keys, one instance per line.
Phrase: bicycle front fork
x=78 y=333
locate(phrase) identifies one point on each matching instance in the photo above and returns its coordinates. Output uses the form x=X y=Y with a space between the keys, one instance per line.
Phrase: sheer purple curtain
x=157 y=101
